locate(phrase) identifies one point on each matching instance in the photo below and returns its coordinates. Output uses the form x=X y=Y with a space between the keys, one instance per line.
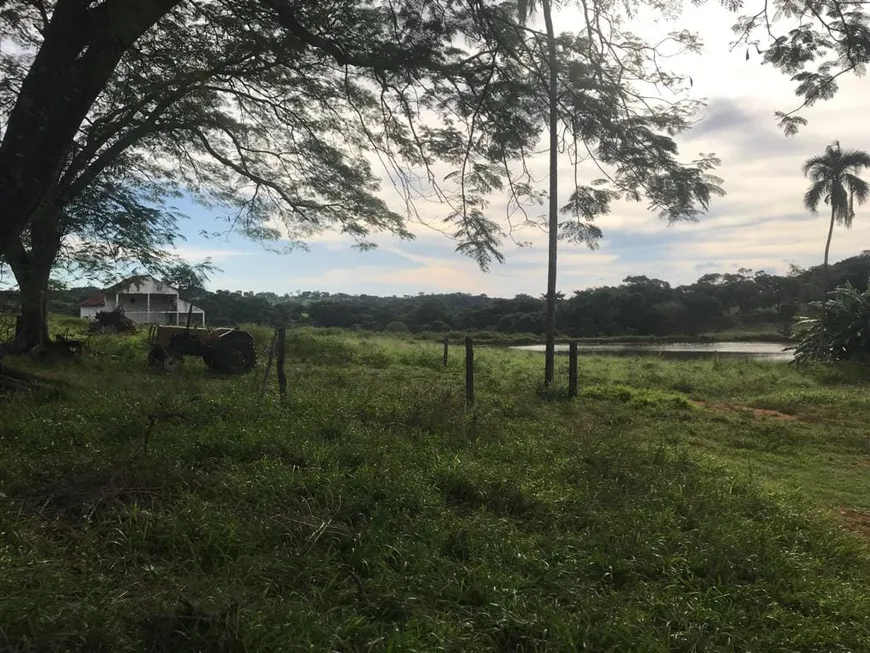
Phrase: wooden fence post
x=469 y=371
x=269 y=363
x=446 y=347
x=282 y=378
x=572 y=370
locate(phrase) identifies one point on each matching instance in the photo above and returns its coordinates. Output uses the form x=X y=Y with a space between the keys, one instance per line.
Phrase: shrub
x=262 y=334
x=437 y=327
x=397 y=327
x=837 y=329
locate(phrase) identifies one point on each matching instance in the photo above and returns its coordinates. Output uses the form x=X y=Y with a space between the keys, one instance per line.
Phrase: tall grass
x=373 y=511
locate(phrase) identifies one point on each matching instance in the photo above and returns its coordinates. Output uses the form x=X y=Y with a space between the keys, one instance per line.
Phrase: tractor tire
x=163 y=359
x=234 y=354
x=156 y=355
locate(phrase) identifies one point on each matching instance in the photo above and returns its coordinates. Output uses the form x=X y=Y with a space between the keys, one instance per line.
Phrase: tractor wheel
x=233 y=355
x=172 y=363
x=160 y=357
x=156 y=355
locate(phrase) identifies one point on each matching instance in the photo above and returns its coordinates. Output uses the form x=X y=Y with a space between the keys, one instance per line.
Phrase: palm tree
x=834 y=178
x=525 y=9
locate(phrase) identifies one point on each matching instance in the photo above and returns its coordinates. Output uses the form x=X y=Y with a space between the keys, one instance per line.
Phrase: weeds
x=370 y=511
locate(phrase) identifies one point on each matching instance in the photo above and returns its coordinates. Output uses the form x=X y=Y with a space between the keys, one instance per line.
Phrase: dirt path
x=856 y=521
x=757 y=412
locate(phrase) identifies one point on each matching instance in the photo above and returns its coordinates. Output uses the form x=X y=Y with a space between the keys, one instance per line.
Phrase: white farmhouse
x=145 y=300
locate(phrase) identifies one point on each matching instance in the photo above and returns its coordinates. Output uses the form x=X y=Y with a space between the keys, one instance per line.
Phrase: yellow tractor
x=223 y=350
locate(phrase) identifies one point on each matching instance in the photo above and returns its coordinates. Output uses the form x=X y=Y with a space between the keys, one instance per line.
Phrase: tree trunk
x=32 y=328
x=830 y=234
x=32 y=270
x=82 y=46
x=550 y=326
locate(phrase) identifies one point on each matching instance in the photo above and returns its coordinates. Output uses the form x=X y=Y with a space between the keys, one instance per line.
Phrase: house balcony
x=197 y=318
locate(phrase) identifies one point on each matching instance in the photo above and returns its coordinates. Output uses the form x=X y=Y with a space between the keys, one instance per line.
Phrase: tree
x=107 y=230
x=826 y=39
x=525 y=8
x=584 y=89
x=834 y=179
x=260 y=105
x=271 y=107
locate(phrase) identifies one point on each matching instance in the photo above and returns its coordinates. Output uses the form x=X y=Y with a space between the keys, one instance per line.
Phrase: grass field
x=371 y=511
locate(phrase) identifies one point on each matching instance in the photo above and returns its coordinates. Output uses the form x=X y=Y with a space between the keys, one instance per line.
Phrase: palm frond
x=859 y=188
x=818 y=161
x=840 y=203
x=855 y=159
x=814 y=195
x=822 y=173
x=836 y=329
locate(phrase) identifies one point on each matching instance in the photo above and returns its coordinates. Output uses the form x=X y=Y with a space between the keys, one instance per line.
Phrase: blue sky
x=760 y=224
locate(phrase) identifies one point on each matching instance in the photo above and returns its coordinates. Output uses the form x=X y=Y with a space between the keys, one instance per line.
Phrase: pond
x=768 y=351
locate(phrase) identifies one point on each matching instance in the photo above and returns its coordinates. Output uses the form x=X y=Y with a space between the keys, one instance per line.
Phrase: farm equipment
x=223 y=350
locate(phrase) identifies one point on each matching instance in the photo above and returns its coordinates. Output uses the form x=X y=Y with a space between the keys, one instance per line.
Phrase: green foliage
x=263 y=335
x=62 y=323
x=370 y=510
x=830 y=39
x=740 y=304
x=397 y=327
x=275 y=113
x=638 y=397
x=838 y=328
x=372 y=507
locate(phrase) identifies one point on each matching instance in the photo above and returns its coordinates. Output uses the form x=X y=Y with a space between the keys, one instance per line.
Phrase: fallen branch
x=27 y=377
x=19 y=380
x=11 y=383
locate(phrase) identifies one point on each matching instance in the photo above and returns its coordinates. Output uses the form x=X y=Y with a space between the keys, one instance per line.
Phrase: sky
x=760 y=224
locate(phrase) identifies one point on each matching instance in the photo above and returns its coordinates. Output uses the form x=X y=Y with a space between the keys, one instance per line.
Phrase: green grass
x=370 y=511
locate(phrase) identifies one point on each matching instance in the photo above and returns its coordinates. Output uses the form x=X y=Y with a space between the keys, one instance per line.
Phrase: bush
x=397 y=327
x=838 y=328
x=437 y=327
x=262 y=334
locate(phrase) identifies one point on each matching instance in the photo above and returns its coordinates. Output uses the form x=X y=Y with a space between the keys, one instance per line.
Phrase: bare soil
x=757 y=412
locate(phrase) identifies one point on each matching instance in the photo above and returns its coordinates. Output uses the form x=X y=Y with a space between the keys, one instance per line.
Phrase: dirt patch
x=756 y=412
x=856 y=521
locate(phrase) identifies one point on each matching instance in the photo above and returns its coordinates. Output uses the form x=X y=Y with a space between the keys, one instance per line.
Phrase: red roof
x=96 y=300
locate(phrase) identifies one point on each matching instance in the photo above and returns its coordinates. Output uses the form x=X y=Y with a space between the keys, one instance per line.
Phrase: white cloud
x=761 y=223
x=194 y=254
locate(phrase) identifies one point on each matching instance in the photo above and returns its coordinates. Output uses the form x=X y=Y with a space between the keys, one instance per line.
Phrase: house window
x=132 y=300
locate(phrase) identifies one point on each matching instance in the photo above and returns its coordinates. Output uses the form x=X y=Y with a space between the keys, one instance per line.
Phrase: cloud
x=760 y=224
x=741 y=126
x=215 y=253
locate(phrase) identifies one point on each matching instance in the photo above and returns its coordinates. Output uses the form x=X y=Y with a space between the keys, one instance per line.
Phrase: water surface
x=770 y=351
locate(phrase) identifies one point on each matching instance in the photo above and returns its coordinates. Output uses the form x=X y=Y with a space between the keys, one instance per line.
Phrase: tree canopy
x=273 y=107
x=745 y=300
x=278 y=109
x=814 y=42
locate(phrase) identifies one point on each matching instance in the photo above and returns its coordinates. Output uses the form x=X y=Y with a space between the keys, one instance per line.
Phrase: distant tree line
x=640 y=306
